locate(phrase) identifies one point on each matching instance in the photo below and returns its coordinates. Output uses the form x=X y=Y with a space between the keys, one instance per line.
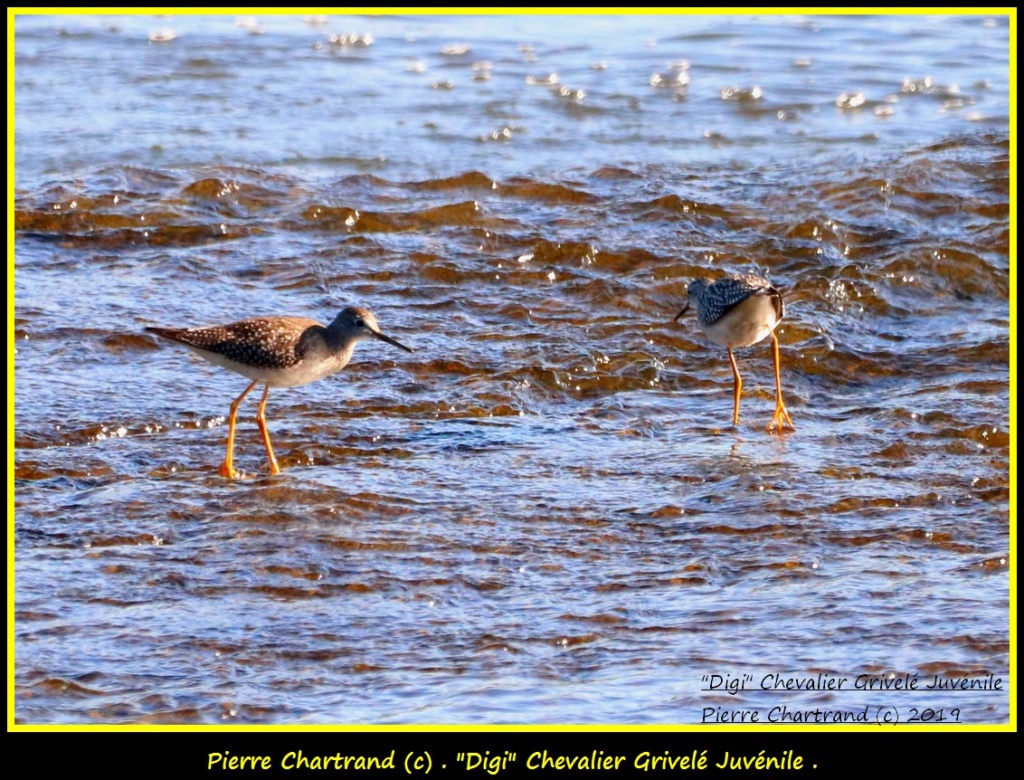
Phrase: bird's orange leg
x=262 y=420
x=737 y=388
x=227 y=469
x=781 y=415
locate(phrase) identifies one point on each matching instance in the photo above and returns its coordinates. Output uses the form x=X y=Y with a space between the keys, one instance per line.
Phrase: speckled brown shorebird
x=277 y=352
x=739 y=311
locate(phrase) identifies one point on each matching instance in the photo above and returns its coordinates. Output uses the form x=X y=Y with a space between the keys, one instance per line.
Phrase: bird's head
x=359 y=323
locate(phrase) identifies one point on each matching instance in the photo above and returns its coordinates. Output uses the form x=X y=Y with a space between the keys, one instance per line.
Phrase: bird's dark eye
x=360 y=322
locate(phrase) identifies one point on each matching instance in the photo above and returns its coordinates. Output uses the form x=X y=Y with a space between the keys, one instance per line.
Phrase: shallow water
x=543 y=515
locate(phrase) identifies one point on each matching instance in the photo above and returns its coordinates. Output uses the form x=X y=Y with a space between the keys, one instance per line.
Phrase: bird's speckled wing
x=259 y=342
x=725 y=294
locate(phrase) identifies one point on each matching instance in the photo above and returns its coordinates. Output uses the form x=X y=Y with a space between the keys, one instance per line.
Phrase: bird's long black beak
x=687 y=306
x=391 y=341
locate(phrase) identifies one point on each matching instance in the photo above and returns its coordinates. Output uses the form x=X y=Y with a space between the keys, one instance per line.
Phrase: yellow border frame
x=1011 y=726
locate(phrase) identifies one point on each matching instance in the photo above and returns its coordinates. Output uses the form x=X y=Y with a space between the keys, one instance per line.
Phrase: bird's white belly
x=748 y=323
x=302 y=373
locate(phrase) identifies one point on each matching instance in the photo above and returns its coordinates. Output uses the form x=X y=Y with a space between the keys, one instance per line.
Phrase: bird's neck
x=336 y=341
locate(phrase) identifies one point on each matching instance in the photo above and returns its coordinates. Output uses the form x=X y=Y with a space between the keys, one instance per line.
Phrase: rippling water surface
x=544 y=513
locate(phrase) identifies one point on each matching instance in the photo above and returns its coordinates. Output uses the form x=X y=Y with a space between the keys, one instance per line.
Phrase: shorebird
x=277 y=352
x=739 y=311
